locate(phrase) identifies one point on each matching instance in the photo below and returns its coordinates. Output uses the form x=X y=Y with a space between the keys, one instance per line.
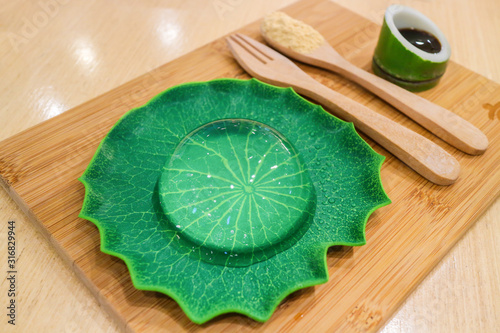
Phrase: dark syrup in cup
x=421 y=39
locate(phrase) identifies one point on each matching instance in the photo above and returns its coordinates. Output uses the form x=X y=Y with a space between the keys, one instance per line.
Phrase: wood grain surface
x=47 y=285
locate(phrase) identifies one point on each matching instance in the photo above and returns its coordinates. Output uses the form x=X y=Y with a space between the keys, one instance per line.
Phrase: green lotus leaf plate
x=225 y=195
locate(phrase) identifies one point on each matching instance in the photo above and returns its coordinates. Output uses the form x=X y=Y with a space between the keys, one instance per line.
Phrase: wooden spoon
x=441 y=122
x=422 y=155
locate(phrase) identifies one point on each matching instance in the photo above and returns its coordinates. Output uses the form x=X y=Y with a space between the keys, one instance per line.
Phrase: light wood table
x=56 y=54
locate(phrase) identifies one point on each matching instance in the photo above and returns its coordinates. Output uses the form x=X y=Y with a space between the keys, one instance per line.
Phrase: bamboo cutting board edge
x=103 y=302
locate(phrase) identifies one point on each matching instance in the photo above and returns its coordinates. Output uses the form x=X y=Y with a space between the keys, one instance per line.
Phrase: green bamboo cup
x=399 y=61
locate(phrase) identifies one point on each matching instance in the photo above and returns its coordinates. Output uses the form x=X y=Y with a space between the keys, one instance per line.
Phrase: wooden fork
x=419 y=153
x=443 y=123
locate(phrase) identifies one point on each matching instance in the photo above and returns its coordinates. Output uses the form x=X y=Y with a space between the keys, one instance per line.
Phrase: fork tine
x=264 y=49
x=248 y=48
x=264 y=63
x=247 y=60
x=254 y=45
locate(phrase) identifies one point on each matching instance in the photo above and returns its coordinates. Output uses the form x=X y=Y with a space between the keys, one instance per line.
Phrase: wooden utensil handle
x=419 y=153
x=443 y=123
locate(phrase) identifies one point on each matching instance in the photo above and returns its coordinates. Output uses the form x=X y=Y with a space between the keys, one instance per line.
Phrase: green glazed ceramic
x=398 y=60
x=225 y=195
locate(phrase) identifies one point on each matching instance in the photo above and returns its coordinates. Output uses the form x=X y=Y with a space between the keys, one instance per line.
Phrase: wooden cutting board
x=405 y=240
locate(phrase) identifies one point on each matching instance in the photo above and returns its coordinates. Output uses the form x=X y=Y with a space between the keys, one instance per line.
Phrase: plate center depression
x=238 y=191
